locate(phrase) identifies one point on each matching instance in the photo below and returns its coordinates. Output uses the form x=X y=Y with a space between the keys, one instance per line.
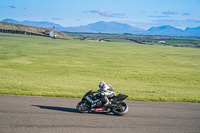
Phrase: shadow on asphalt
x=72 y=110
x=57 y=108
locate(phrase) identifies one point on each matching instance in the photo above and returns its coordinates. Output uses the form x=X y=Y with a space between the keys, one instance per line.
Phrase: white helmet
x=101 y=84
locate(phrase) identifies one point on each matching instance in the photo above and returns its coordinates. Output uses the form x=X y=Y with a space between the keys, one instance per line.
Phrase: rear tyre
x=83 y=107
x=121 y=109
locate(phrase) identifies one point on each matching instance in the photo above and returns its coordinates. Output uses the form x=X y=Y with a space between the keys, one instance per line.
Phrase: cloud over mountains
x=106 y=13
x=11 y=6
x=170 y=12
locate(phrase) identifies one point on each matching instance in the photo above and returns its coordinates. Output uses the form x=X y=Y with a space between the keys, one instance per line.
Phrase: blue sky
x=138 y=13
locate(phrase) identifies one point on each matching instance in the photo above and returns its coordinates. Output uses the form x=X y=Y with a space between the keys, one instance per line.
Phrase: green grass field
x=68 y=68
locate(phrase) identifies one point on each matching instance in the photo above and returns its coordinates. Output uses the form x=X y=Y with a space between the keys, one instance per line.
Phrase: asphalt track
x=30 y=114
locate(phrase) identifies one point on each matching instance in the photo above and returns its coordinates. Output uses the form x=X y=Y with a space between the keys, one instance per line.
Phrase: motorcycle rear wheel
x=121 y=109
x=83 y=107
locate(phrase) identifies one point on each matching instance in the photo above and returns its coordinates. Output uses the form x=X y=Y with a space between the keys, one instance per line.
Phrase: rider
x=106 y=91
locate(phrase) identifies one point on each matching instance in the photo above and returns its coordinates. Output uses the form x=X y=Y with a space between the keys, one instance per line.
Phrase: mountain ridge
x=166 y=29
x=107 y=27
x=113 y=27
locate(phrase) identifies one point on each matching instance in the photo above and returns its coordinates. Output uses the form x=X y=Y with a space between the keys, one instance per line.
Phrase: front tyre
x=121 y=109
x=83 y=107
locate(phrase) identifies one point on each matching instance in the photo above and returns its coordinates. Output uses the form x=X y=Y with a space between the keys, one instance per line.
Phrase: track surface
x=26 y=114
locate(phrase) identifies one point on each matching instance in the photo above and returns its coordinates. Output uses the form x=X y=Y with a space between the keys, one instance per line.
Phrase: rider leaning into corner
x=106 y=91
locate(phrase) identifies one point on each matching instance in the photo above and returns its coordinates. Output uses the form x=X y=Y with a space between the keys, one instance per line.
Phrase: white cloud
x=159 y=16
x=170 y=12
x=56 y=18
x=11 y=6
x=186 y=14
x=107 y=13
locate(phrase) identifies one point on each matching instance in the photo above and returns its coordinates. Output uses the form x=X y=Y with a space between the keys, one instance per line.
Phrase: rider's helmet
x=101 y=84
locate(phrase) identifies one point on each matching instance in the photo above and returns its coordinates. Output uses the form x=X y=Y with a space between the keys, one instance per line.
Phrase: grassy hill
x=69 y=68
x=37 y=30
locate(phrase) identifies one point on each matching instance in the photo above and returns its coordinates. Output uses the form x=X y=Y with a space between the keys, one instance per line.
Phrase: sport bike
x=116 y=106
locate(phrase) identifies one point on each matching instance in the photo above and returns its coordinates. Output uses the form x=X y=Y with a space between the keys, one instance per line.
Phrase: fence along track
x=20 y=32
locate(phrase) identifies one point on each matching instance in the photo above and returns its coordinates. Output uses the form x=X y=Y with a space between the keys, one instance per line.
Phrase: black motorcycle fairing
x=88 y=96
x=89 y=93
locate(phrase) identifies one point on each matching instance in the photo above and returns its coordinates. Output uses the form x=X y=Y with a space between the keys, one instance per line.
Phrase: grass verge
x=67 y=68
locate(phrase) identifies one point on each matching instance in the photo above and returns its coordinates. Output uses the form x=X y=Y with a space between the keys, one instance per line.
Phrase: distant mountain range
x=172 y=31
x=113 y=27
x=43 y=24
x=107 y=27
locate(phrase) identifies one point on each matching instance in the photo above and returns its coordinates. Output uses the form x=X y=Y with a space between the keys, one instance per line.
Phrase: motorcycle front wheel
x=121 y=109
x=83 y=107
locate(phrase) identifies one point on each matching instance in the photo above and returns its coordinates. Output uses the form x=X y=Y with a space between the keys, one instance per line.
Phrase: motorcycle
x=116 y=106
